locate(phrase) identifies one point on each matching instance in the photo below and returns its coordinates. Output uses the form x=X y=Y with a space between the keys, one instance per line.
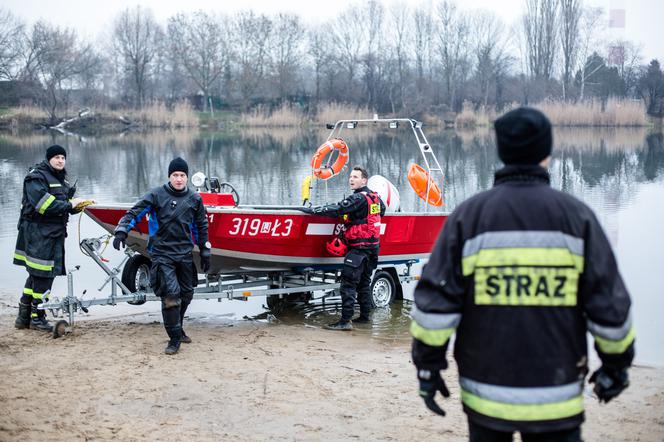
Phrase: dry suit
x=521 y=273
x=42 y=229
x=361 y=212
x=177 y=220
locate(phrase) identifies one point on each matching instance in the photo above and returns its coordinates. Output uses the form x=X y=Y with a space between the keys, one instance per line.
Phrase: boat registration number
x=260 y=227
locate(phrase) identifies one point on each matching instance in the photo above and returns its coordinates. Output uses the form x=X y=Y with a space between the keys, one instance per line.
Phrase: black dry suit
x=361 y=260
x=42 y=228
x=177 y=221
x=521 y=272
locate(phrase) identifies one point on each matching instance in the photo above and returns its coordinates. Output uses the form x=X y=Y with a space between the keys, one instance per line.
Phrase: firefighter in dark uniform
x=361 y=213
x=177 y=220
x=521 y=272
x=42 y=228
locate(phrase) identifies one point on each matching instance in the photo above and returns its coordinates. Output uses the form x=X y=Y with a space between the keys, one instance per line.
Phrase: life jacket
x=365 y=232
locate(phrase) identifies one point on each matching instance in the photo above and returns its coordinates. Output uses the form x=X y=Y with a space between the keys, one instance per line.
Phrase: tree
x=346 y=33
x=489 y=47
x=452 y=46
x=650 y=87
x=286 y=46
x=540 y=26
x=570 y=14
x=12 y=40
x=400 y=47
x=197 y=42
x=136 y=40
x=591 y=27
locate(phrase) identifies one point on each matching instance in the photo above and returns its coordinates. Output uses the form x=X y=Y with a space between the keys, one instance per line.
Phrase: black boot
x=23 y=317
x=340 y=325
x=185 y=339
x=172 y=347
x=41 y=323
x=362 y=319
x=175 y=335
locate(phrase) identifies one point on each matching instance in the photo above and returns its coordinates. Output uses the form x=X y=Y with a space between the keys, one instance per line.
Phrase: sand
x=248 y=380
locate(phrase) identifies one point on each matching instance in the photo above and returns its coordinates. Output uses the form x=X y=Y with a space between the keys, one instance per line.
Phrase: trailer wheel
x=60 y=329
x=383 y=289
x=136 y=275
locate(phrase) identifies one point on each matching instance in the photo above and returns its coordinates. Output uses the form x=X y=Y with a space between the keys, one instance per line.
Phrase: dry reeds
x=31 y=113
x=284 y=116
x=157 y=114
x=333 y=112
x=469 y=118
x=591 y=113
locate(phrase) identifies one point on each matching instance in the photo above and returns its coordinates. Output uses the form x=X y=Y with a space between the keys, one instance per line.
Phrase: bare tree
x=489 y=44
x=423 y=31
x=628 y=62
x=400 y=37
x=540 y=30
x=136 y=39
x=12 y=40
x=570 y=14
x=591 y=28
x=373 y=16
x=287 y=40
x=197 y=42
x=319 y=49
x=453 y=45
x=346 y=32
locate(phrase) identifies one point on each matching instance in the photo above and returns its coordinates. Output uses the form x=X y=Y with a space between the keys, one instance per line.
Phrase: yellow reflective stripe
x=46 y=204
x=616 y=347
x=27 y=291
x=523 y=412
x=526 y=286
x=37 y=295
x=435 y=338
x=524 y=256
x=34 y=265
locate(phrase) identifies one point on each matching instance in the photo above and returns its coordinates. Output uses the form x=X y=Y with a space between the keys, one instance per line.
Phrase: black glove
x=609 y=383
x=120 y=238
x=430 y=383
x=305 y=209
x=205 y=259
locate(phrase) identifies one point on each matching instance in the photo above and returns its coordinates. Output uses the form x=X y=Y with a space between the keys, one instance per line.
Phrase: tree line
x=395 y=58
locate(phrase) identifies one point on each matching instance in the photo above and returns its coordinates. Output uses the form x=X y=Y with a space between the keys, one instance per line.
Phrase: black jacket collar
x=522 y=173
x=362 y=189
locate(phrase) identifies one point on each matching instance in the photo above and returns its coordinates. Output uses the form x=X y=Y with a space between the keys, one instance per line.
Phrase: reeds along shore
x=593 y=113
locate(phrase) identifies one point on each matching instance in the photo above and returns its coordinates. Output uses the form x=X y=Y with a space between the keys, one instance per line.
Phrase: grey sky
x=643 y=24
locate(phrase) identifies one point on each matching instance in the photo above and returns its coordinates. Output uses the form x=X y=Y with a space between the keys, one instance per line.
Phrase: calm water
x=619 y=173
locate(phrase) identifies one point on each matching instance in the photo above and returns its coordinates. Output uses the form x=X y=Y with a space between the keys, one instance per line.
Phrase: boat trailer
x=275 y=286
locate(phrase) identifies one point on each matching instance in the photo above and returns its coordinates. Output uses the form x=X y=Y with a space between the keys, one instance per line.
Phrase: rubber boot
x=41 y=323
x=23 y=317
x=362 y=319
x=340 y=325
x=175 y=335
x=185 y=339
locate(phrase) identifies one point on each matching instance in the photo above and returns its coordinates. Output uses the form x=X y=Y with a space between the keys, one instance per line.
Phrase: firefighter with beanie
x=177 y=221
x=520 y=273
x=48 y=200
x=361 y=213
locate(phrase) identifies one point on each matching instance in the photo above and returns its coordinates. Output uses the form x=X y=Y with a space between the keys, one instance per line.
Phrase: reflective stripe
x=522 y=395
x=36 y=295
x=27 y=291
x=44 y=202
x=55 y=185
x=435 y=320
x=523 y=412
x=611 y=333
x=618 y=346
x=515 y=256
x=38 y=264
x=435 y=338
x=523 y=239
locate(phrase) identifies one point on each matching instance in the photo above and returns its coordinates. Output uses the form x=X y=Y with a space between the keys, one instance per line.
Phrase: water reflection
x=618 y=172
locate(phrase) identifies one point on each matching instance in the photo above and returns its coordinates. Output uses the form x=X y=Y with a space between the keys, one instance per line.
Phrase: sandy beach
x=247 y=380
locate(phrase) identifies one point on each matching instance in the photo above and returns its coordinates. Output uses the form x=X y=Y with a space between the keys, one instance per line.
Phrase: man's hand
x=75 y=202
x=205 y=259
x=120 y=238
x=609 y=383
x=430 y=383
x=305 y=209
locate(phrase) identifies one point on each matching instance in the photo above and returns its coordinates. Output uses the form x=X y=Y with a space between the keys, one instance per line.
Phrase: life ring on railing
x=418 y=179
x=327 y=172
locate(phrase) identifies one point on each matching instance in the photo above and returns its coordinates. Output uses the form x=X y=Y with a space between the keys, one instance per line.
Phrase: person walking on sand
x=361 y=213
x=520 y=273
x=176 y=216
x=48 y=200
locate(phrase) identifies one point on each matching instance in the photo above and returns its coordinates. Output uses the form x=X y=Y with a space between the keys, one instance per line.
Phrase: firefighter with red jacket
x=361 y=212
x=521 y=273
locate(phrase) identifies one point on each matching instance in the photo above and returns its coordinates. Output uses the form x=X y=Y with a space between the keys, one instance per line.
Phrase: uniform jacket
x=42 y=226
x=176 y=220
x=521 y=272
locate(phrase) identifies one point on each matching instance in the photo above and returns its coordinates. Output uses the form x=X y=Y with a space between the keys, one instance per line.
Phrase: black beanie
x=178 y=165
x=55 y=150
x=523 y=136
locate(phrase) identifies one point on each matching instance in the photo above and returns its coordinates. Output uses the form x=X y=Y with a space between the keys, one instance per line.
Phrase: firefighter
x=42 y=228
x=361 y=213
x=176 y=216
x=520 y=273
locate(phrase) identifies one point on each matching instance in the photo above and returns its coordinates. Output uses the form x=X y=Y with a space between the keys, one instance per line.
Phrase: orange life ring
x=418 y=179
x=326 y=148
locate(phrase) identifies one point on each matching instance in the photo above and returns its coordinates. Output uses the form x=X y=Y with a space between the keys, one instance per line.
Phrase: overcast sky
x=643 y=17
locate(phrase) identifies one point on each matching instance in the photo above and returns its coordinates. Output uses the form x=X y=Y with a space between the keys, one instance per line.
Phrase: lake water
x=619 y=173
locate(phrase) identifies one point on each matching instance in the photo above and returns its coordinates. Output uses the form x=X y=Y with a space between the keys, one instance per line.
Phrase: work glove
x=430 y=383
x=205 y=259
x=609 y=383
x=120 y=238
x=305 y=209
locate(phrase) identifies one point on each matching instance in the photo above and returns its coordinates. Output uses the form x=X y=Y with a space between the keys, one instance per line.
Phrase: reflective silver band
x=522 y=395
x=611 y=333
x=43 y=200
x=43 y=262
x=435 y=321
x=523 y=239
